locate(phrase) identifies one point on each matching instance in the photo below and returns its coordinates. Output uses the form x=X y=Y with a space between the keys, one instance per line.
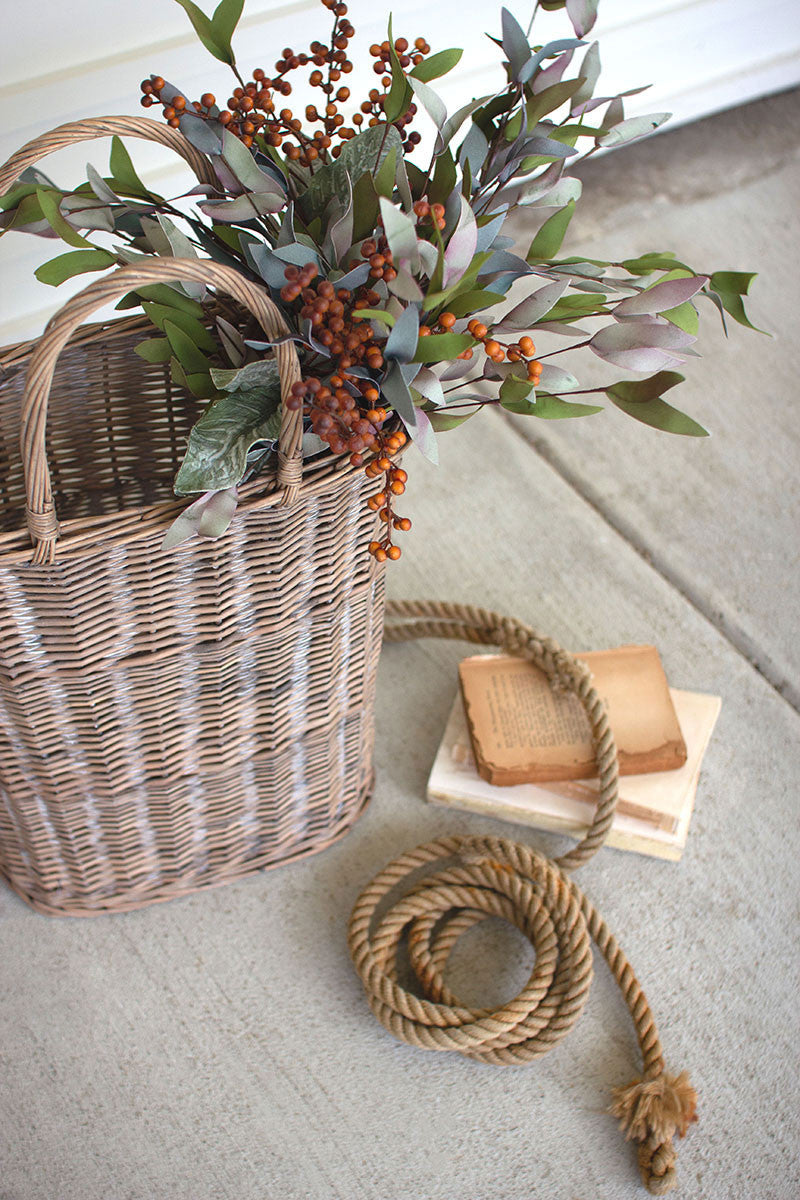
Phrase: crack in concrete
x=735 y=634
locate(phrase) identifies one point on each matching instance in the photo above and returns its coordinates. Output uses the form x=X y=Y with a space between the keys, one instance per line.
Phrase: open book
x=654 y=810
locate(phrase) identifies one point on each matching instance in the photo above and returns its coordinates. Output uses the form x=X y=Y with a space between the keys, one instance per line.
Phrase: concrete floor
x=219 y=1047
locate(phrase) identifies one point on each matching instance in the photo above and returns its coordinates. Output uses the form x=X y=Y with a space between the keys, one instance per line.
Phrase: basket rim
x=103 y=533
x=126 y=525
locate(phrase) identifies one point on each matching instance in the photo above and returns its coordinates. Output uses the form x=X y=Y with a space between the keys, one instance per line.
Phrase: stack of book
x=516 y=750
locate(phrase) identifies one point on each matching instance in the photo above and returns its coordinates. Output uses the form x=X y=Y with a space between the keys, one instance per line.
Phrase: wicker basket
x=168 y=721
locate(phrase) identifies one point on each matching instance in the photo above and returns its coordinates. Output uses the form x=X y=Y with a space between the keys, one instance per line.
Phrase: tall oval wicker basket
x=168 y=720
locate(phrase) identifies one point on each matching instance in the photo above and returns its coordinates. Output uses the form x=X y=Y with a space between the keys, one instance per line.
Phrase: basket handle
x=97 y=127
x=40 y=510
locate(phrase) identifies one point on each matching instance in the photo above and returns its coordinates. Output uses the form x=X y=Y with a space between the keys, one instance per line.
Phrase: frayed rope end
x=652 y=1111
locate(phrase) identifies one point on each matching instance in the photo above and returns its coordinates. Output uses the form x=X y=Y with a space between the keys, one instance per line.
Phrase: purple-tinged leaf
x=207 y=517
x=400 y=233
x=429 y=385
x=430 y=101
x=583 y=14
x=423 y=435
x=640 y=345
x=548 y=51
x=395 y=391
x=501 y=260
x=661 y=297
x=473 y=150
x=247 y=207
x=552 y=74
x=85 y=212
x=553 y=379
x=515 y=43
x=632 y=129
x=353 y=278
x=232 y=341
x=462 y=246
x=562 y=328
x=205 y=136
x=589 y=73
x=402 y=341
x=405 y=286
x=339 y=237
x=454 y=123
x=457 y=369
x=487 y=233
x=548 y=148
x=532 y=309
x=429 y=257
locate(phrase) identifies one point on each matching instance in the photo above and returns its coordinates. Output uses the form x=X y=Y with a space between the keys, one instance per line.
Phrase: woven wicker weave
x=168 y=720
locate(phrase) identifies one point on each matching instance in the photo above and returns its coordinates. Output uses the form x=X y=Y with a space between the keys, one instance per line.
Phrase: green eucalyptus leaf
x=213 y=39
x=443 y=421
x=396 y=103
x=191 y=358
x=466 y=304
x=249 y=412
x=226 y=18
x=159 y=314
x=641 y=398
x=554 y=408
x=124 y=177
x=663 y=260
x=684 y=316
x=541 y=103
x=444 y=178
x=439 y=347
x=49 y=204
x=75 y=262
x=730 y=286
x=383 y=179
x=162 y=293
x=547 y=242
x=154 y=350
x=515 y=389
x=437 y=65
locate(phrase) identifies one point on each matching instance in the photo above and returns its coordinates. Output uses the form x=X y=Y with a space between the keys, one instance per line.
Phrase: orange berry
x=526 y=346
x=394 y=552
x=447 y=320
x=492 y=347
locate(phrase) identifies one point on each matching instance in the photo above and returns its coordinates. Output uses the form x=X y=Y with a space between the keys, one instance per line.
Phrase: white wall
x=64 y=59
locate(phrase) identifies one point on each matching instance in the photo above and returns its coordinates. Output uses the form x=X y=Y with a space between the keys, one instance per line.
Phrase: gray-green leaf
x=216 y=456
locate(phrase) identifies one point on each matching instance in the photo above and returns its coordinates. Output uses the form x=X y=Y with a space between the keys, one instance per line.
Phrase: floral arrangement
x=387 y=269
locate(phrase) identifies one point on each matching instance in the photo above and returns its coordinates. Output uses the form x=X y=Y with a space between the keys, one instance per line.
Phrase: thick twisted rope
x=425 y=899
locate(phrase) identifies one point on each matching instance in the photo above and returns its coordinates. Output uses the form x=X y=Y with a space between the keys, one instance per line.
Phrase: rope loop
x=423 y=901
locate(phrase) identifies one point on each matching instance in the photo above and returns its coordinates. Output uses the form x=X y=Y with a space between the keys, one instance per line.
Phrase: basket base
x=141 y=897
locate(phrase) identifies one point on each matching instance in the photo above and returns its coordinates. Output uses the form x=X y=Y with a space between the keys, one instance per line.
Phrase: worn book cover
x=523 y=731
x=653 y=813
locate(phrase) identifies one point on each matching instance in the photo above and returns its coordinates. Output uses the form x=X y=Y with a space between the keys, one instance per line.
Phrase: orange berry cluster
x=521 y=351
x=252 y=110
x=433 y=212
x=381 y=502
x=344 y=411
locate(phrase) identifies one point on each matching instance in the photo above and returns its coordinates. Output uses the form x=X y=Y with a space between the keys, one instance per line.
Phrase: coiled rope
x=443 y=888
